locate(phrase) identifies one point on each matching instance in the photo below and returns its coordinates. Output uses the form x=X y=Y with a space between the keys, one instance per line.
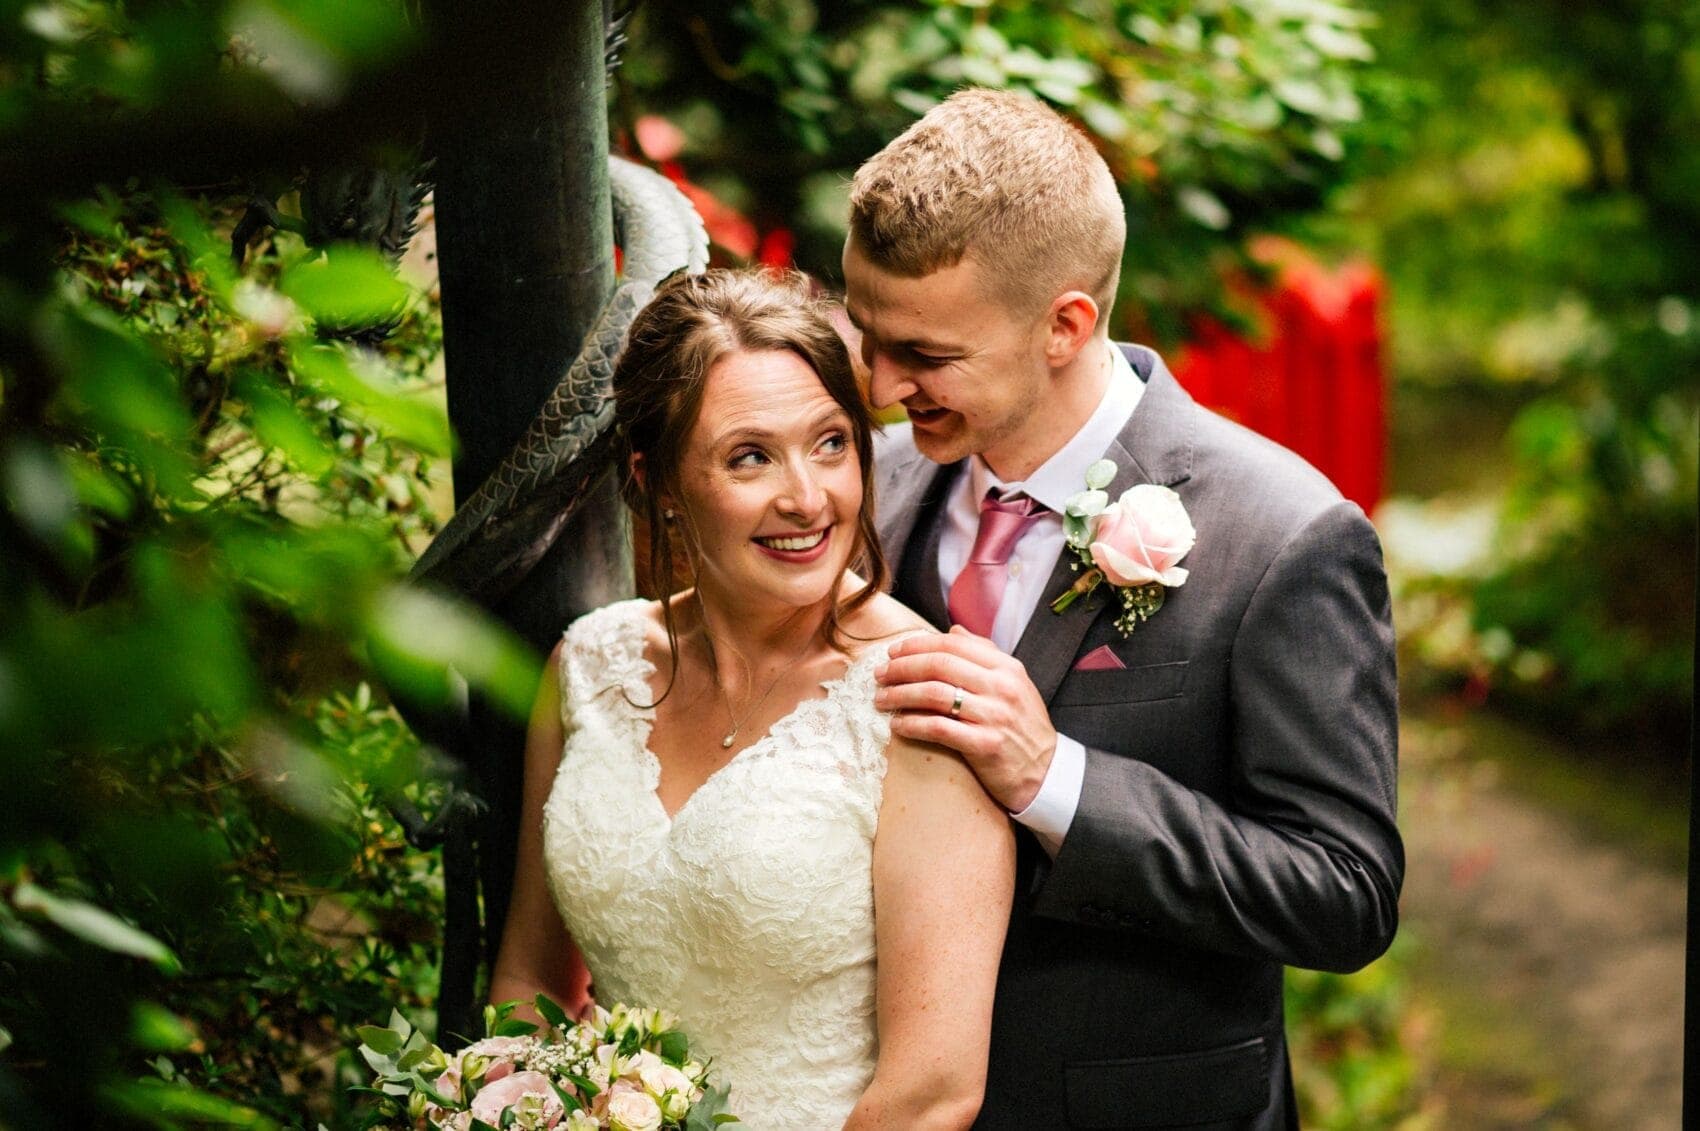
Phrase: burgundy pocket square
x=1100 y=659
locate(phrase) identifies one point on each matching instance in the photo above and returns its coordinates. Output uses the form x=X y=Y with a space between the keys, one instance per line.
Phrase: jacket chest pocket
x=1146 y=684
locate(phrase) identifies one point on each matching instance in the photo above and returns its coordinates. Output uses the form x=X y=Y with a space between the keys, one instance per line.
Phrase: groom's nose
x=888 y=381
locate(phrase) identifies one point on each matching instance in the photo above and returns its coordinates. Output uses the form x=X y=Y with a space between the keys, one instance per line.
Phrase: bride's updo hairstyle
x=692 y=322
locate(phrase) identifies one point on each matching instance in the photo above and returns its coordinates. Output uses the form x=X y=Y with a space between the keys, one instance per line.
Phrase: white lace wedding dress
x=749 y=913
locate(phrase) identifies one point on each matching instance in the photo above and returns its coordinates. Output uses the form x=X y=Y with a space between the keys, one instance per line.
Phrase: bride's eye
x=746 y=458
x=835 y=443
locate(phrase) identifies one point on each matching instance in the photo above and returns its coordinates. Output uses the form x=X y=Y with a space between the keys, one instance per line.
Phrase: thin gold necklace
x=714 y=671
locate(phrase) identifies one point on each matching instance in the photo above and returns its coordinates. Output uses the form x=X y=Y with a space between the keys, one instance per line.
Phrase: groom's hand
x=1002 y=730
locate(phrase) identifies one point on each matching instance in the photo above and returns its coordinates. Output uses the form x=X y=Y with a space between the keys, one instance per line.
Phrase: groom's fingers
x=957 y=642
x=927 y=695
x=970 y=741
x=938 y=667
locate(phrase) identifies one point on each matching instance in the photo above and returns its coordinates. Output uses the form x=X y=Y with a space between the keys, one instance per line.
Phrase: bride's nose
x=801 y=494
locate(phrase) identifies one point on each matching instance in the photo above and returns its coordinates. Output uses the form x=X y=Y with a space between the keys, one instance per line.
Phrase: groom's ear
x=1070 y=324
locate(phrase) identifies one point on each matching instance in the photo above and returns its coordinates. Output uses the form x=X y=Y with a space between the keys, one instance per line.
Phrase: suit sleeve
x=1302 y=862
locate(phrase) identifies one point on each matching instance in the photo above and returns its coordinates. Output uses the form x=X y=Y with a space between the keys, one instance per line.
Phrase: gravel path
x=1553 y=960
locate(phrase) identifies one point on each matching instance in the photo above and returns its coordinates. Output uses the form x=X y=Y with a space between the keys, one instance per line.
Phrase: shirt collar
x=1064 y=474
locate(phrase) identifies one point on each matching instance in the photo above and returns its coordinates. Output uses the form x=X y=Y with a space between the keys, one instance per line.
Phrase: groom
x=1205 y=799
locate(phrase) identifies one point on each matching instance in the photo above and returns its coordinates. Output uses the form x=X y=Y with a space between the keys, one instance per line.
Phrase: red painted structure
x=1314 y=380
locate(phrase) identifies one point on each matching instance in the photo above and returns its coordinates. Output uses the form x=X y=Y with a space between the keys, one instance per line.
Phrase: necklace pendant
x=726 y=743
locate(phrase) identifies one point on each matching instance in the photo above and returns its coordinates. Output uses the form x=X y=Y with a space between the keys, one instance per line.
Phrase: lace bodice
x=749 y=913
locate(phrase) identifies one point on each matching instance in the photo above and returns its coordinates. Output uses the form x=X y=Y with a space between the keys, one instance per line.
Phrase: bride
x=724 y=822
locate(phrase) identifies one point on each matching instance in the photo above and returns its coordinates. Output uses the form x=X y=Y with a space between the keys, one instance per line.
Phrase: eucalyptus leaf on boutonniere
x=1133 y=543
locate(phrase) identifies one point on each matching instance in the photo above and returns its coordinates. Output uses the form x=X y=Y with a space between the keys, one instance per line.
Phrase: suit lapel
x=902 y=476
x=911 y=492
x=1155 y=447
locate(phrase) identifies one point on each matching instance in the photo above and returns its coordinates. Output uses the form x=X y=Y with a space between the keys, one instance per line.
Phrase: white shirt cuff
x=1051 y=811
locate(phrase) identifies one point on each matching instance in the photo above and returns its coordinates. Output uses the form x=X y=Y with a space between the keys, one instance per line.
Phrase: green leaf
x=347 y=286
x=514 y=1027
x=588 y=1090
x=415 y=637
x=95 y=925
x=381 y=1041
x=710 y=1111
x=157 y=1029
x=568 y=1101
x=279 y=424
x=372 y=393
x=549 y=1011
x=150 y=1100
x=674 y=1047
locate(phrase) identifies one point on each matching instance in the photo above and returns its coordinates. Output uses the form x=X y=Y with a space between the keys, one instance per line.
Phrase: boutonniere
x=1133 y=543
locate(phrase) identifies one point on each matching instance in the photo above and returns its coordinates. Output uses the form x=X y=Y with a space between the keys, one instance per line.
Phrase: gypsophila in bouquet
x=620 y=1070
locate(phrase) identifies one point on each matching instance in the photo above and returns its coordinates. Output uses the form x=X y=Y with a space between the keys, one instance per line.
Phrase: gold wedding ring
x=956 y=704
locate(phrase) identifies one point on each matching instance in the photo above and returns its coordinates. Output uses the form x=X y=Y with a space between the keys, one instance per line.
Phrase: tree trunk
x=525 y=242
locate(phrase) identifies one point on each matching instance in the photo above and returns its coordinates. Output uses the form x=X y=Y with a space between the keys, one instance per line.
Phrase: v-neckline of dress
x=644 y=669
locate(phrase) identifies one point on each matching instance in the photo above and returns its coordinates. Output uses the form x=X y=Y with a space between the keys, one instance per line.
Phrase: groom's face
x=970 y=372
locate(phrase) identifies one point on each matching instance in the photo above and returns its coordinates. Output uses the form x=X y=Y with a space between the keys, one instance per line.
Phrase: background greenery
x=212 y=476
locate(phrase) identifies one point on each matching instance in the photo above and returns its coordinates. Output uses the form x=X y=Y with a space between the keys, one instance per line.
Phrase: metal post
x=525 y=241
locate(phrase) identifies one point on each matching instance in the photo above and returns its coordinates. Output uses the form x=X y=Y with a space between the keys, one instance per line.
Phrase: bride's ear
x=635 y=468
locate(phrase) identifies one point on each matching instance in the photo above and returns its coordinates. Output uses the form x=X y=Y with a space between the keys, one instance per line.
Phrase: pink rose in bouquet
x=512 y=1090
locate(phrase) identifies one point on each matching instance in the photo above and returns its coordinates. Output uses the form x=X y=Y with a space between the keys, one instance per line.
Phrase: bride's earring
x=668 y=514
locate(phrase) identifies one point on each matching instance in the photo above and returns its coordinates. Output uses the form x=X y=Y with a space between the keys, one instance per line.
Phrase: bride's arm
x=944 y=874
x=537 y=954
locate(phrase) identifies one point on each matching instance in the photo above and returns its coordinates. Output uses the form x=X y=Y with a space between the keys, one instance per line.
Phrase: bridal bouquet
x=625 y=1070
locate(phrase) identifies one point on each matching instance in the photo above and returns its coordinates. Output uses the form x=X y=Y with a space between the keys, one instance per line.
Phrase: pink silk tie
x=978 y=589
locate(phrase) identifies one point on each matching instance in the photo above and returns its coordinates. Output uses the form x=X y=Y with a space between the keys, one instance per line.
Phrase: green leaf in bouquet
x=673 y=1047
x=585 y=1087
x=384 y=1042
x=630 y=1041
x=710 y=1111
x=412 y=1059
x=550 y=1012
x=509 y=1117
x=514 y=1027
x=569 y=1101
x=480 y=1125
x=423 y=1086
x=399 y=1025
x=376 y=1061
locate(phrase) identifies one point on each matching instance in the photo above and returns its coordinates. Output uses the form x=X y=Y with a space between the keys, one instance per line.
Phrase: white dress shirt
x=1051 y=811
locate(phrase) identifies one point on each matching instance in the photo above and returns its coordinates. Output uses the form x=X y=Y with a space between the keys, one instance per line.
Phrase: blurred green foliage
x=1542 y=241
x=208 y=492
x=1218 y=119
x=206 y=506
x=1362 y=1059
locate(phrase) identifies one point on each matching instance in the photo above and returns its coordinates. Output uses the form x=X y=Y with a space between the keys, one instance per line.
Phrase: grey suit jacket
x=1238 y=806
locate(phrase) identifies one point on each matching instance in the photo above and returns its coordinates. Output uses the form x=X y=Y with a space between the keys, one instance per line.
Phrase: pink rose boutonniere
x=1134 y=543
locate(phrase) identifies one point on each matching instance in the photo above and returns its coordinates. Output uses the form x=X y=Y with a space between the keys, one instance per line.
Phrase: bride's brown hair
x=693 y=322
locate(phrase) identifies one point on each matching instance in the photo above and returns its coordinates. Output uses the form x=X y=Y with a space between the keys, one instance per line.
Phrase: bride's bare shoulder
x=885 y=617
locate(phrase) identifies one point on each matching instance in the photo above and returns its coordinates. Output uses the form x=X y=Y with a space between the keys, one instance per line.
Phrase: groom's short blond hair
x=1003 y=180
